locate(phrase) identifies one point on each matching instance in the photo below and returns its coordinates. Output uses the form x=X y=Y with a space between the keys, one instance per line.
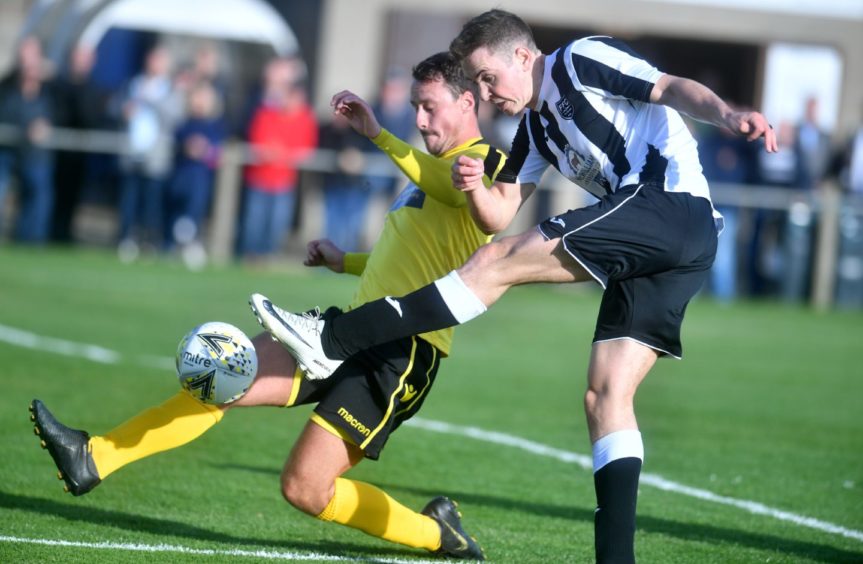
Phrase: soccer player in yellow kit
x=427 y=233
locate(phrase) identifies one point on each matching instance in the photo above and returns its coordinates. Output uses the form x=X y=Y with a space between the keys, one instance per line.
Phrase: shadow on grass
x=167 y=528
x=684 y=531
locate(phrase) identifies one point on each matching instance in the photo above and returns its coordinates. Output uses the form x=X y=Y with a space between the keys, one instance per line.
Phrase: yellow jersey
x=428 y=231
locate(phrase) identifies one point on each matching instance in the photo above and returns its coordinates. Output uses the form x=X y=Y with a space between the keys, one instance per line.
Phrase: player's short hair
x=497 y=30
x=444 y=66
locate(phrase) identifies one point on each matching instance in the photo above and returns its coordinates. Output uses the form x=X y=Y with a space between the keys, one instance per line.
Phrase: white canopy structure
x=253 y=21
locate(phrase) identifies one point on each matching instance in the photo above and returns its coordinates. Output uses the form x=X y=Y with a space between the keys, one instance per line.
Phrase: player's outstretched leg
x=301 y=334
x=319 y=341
x=85 y=460
x=454 y=541
x=69 y=449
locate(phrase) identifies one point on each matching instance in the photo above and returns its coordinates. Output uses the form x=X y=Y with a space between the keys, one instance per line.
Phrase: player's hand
x=323 y=252
x=467 y=173
x=753 y=125
x=358 y=113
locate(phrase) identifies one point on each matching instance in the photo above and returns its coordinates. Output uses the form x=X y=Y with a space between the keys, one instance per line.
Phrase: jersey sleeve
x=609 y=67
x=433 y=175
x=525 y=164
x=355 y=263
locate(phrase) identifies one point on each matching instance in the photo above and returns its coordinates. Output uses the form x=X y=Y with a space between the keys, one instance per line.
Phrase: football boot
x=454 y=541
x=68 y=447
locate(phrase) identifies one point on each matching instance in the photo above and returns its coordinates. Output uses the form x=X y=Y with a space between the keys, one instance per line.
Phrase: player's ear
x=468 y=102
x=522 y=56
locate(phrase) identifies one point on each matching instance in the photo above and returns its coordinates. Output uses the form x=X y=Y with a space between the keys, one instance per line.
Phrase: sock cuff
x=329 y=512
x=461 y=301
x=620 y=444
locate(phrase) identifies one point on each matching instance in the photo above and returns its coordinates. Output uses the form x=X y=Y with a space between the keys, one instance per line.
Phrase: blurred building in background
x=801 y=48
x=785 y=57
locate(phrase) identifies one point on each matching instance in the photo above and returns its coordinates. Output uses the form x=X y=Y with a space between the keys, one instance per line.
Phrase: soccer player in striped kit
x=610 y=122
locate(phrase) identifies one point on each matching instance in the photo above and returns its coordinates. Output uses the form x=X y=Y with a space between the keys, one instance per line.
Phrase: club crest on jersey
x=564 y=108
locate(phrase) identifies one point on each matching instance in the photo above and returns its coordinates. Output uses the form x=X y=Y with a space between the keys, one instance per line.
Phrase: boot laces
x=311 y=320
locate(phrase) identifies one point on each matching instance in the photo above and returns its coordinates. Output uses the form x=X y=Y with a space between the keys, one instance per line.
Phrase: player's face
x=440 y=114
x=504 y=78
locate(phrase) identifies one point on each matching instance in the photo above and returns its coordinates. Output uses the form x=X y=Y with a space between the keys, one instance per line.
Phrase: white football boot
x=300 y=334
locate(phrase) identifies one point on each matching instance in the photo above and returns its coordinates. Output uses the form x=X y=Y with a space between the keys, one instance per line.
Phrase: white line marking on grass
x=270 y=554
x=95 y=353
x=654 y=480
x=751 y=506
x=30 y=340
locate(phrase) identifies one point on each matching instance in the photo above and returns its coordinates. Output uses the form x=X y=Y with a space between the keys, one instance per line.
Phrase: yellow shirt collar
x=460 y=148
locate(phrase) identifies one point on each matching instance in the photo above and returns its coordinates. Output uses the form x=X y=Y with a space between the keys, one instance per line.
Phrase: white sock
x=620 y=444
x=461 y=301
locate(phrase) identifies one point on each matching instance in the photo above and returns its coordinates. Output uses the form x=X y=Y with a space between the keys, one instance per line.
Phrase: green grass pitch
x=758 y=432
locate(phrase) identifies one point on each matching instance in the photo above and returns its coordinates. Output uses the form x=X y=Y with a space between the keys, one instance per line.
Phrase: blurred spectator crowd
x=171 y=120
x=170 y=127
x=768 y=248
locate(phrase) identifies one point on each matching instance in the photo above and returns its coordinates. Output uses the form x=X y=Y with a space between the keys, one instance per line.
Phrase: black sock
x=614 y=521
x=384 y=320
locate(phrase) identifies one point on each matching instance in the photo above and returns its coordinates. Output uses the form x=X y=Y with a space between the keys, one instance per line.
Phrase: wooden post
x=826 y=247
x=226 y=204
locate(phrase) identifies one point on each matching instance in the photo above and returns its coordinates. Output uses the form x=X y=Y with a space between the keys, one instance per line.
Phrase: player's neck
x=466 y=134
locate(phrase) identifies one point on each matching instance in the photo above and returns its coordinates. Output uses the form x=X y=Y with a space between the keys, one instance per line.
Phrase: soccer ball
x=216 y=363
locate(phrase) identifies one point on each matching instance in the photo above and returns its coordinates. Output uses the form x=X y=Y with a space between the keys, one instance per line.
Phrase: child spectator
x=198 y=141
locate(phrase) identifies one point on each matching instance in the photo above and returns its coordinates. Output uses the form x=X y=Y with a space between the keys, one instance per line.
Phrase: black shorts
x=651 y=251
x=373 y=392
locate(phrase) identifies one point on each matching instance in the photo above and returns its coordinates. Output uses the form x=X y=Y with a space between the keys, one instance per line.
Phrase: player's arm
x=323 y=252
x=355 y=263
x=699 y=102
x=492 y=208
x=431 y=174
x=633 y=78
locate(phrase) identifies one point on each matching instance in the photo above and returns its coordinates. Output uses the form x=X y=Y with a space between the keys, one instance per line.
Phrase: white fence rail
x=827 y=205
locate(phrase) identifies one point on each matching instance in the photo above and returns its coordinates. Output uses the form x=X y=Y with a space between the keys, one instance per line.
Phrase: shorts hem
x=662 y=351
x=295 y=386
x=332 y=429
x=602 y=281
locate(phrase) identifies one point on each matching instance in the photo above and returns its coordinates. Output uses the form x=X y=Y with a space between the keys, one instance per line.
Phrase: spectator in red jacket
x=283 y=130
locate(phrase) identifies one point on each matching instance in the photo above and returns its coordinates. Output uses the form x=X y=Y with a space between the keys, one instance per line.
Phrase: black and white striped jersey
x=593 y=122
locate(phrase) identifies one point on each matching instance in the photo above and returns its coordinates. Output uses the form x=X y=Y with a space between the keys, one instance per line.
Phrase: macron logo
x=558 y=221
x=396 y=305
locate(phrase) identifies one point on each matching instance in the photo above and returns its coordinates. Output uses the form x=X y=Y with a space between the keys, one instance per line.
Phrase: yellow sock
x=369 y=509
x=174 y=423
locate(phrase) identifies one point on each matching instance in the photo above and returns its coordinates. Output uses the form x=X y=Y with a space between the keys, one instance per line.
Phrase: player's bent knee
x=488 y=255
x=591 y=398
x=600 y=399
x=491 y=259
x=596 y=404
x=304 y=495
